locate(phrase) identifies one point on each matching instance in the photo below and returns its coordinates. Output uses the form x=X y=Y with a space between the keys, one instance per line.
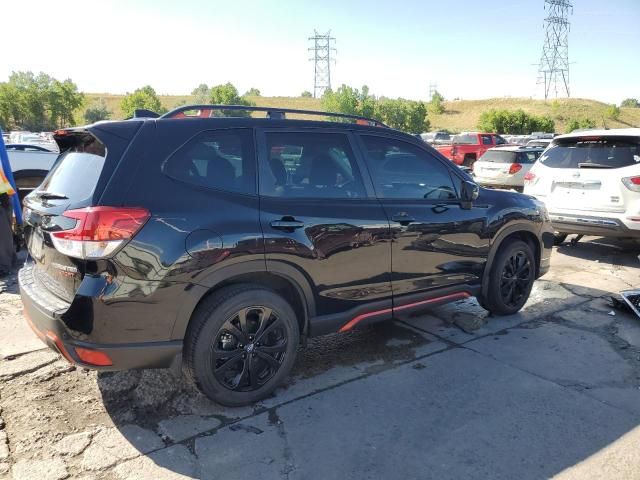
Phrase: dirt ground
x=449 y=393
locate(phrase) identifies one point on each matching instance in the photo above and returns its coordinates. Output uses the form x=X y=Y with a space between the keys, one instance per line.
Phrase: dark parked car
x=220 y=243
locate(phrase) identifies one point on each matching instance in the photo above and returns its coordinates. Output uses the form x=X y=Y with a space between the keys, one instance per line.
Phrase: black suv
x=219 y=242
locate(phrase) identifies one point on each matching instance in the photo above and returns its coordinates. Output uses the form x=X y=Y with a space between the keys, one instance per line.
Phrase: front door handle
x=287 y=224
x=403 y=218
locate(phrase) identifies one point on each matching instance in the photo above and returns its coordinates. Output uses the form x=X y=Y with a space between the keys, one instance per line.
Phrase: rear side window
x=592 y=152
x=311 y=165
x=486 y=139
x=402 y=170
x=528 y=157
x=76 y=173
x=217 y=159
x=498 y=156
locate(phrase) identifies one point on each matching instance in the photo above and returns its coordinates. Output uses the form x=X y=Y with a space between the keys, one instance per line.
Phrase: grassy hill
x=459 y=115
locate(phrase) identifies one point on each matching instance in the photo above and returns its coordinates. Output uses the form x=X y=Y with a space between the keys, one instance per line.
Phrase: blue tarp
x=6 y=167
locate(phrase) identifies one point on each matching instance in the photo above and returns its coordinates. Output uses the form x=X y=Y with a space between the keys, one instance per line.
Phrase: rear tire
x=469 y=160
x=511 y=278
x=241 y=344
x=559 y=238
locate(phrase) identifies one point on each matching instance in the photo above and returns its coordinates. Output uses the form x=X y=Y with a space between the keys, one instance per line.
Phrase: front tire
x=511 y=278
x=241 y=344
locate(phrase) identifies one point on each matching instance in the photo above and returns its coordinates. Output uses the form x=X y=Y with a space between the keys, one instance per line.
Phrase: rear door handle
x=403 y=218
x=287 y=224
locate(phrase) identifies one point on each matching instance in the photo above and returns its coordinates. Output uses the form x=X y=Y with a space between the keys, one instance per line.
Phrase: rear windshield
x=593 y=152
x=465 y=139
x=498 y=156
x=75 y=174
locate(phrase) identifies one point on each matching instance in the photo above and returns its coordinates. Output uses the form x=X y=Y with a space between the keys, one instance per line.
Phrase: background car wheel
x=559 y=238
x=469 y=160
x=241 y=344
x=511 y=278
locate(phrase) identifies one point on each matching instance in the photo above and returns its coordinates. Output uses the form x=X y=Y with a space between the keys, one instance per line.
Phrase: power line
x=553 y=70
x=322 y=57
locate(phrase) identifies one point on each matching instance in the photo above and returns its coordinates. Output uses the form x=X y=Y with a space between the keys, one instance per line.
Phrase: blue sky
x=471 y=49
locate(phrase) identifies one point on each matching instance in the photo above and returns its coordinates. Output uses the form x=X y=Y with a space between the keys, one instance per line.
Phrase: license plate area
x=36 y=245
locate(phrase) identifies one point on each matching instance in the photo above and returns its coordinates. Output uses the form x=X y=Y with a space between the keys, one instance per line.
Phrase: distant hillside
x=464 y=114
x=459 y=115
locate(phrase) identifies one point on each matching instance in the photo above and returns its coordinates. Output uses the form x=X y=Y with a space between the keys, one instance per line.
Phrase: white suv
x=590 y=183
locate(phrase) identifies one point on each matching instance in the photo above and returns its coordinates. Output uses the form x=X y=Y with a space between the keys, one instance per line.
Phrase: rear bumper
x=44 y=319
x=592 y=225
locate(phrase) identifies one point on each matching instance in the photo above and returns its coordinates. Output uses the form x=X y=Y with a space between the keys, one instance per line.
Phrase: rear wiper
x=52 y=196
x=593 y=165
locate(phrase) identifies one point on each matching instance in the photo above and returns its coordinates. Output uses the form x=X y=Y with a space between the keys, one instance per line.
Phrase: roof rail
x=275 y=113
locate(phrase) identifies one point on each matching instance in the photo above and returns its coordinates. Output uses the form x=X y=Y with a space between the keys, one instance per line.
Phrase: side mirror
x=469 y=193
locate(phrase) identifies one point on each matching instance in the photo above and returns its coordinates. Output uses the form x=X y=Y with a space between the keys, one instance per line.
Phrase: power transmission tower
x=322 y=58
x=433 y=88
x=553 y=70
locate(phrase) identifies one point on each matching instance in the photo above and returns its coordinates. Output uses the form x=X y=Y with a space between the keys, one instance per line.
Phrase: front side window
x=218 y=159
x=402 y=170
x=310 y=165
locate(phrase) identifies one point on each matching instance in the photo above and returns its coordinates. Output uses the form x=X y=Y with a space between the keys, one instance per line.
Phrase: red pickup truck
x=466 y=148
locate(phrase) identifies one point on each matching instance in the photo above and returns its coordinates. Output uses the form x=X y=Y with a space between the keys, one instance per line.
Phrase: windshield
x=498 y=156
x=592 y=152
x=75 y=174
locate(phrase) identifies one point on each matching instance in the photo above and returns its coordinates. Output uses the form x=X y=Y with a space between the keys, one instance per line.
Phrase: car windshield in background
x=593 y=152
x=465 y=139
x=498 y=156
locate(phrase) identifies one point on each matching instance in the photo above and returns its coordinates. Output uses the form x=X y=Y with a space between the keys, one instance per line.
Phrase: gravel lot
x=554 y=390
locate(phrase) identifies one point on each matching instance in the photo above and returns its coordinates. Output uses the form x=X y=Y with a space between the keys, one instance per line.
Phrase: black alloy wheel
x=241 y=344
x=511 y=278
x=516 y=278
x=249 y=348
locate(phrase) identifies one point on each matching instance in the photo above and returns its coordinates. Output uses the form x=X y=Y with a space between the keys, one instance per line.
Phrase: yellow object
x=5 y=186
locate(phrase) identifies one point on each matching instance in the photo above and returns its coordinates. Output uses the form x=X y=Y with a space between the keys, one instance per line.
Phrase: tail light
x=515 y=168
x=632 y=183
x=530 y=178
x=99 y=231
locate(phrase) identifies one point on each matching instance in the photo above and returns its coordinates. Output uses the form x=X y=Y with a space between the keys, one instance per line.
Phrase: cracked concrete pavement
x=451 y=393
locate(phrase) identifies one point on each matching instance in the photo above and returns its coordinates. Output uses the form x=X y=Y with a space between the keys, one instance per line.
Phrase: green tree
x=252 y=92
x=96 y=112
x=579 y=123
x=141 y=98
x=406 y=115
x=613 y=112
x=202 y=93
x=436 y=104
x=516 y=122
x=630 y=102
x=306 y=94
x=227 y=94
x=38 y=102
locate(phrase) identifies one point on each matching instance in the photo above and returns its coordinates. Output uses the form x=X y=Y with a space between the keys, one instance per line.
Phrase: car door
x=320 y=217
x=437 y=243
